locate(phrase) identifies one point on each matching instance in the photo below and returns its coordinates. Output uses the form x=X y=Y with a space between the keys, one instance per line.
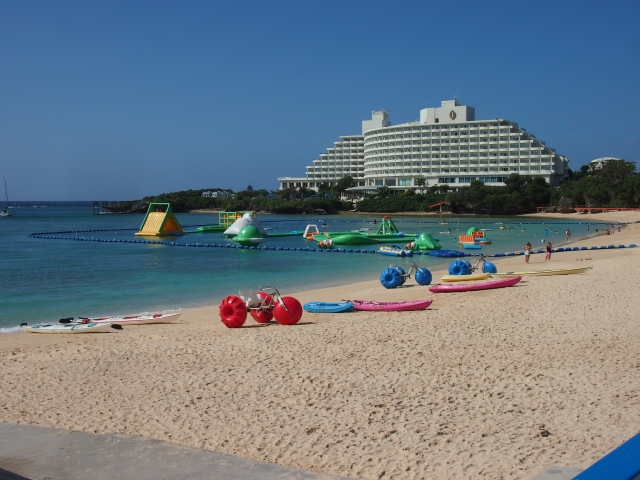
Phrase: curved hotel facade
x=446 y=146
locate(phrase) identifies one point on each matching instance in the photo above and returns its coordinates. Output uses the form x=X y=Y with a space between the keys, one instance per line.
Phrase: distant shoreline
x=611 y=216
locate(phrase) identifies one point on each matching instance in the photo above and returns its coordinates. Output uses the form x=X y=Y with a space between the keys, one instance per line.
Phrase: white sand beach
x=494 y=384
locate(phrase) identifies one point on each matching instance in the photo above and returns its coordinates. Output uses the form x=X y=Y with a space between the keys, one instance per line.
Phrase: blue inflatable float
x=392 y=277
x=459 y=267
x=423 y=276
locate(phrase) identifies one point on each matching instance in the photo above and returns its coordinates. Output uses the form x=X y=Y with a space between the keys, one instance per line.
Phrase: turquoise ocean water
x=45 y=279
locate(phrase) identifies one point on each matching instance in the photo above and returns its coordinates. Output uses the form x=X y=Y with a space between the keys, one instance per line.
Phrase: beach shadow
x=6 y=475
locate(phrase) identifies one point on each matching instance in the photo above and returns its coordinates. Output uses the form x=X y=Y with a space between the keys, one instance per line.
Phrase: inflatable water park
x=387 y=232
x=243 y=230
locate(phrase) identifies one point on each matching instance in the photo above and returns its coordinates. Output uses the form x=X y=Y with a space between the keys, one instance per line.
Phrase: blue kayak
x=326 y=307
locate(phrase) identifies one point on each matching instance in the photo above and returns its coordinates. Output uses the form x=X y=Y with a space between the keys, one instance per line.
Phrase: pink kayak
x=466 y=287
x=390 y=306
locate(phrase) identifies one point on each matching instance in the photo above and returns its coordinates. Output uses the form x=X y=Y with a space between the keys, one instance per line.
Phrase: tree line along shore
x=615 y=185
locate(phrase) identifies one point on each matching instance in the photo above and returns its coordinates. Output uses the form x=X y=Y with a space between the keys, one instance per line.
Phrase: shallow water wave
x=4 y=331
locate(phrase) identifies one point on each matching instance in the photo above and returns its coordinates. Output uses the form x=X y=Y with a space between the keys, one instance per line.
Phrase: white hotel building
x=446 y=146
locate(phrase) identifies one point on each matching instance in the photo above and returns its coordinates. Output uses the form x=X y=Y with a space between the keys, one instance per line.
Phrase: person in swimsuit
x=527 y=252
x=548 y=256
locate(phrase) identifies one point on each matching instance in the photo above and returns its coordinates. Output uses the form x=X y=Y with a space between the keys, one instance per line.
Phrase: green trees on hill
x=520 y=195
x=616 y=184
x=251 y=199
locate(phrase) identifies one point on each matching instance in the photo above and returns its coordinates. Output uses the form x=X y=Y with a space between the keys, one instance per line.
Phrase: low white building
x=223 y=195
x=598 y=163
x=446 y=146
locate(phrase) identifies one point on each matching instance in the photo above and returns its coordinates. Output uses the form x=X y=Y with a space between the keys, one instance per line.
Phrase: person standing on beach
x=568 y=233
x=548 y=256
x=527 y=252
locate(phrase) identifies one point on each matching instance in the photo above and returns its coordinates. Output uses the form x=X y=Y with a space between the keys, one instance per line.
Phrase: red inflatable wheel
x=289 y=313
x=233 y=311
x=262 y=316
x=265 y=298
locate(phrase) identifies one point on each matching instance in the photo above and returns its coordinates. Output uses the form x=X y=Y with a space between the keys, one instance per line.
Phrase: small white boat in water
x=128 y=320
x=71 y=328
x=396 y=251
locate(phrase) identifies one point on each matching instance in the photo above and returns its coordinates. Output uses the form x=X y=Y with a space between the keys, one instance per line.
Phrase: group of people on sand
x=527 y=252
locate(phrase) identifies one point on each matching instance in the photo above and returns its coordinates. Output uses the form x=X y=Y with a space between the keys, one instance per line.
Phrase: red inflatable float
x=233 y=311
x=264 y=314
x=287 y=311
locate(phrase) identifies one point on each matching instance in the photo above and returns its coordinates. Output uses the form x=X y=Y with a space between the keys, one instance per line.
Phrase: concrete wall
x=449 y=112
x=379 y=119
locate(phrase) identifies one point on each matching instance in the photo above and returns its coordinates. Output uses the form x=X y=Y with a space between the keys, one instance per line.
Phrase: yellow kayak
x=540 y=273
x=465 y=278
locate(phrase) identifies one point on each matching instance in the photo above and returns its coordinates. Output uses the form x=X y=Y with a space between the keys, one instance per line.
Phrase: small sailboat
x=5 y=212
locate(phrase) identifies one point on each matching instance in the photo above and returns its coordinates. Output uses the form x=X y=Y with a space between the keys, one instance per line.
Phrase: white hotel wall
x=447 y=146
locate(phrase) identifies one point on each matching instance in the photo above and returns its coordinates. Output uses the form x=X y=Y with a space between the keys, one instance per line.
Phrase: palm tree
x=420 y=182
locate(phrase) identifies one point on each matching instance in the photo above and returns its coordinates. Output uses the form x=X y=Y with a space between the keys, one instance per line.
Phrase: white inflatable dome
x=247 y=219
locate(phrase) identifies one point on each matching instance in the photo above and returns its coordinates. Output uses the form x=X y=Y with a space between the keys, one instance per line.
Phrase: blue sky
x=113 y=100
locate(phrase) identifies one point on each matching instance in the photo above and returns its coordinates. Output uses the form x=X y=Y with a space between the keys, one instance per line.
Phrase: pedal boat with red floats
x=263 y=306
